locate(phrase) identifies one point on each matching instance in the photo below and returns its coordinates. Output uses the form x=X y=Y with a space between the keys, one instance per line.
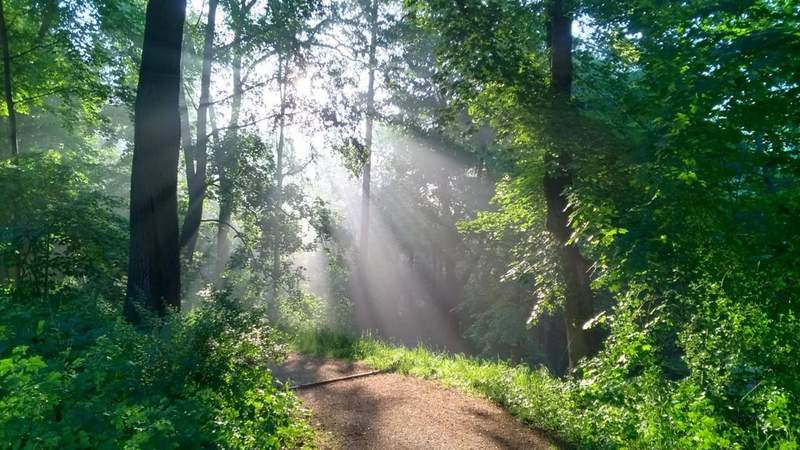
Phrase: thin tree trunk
x=361 y=291
x=227 y=201
x=450 y=288
x=187 y=143
x=367 y=171
x=278 y=197
x=197 y=185
x=154 y=263
x=231 y=143
x=579 y=299
x=7 y=85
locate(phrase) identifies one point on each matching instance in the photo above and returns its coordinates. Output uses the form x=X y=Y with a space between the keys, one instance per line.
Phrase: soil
x=392 y=411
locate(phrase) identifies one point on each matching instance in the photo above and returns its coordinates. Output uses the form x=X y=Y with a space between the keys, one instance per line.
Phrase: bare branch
x=251 y=66
x=242 y=125
x=249 y=88
x=337 y=49
x=301 y=168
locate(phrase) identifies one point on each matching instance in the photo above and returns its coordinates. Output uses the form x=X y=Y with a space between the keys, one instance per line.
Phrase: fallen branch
x=334 y=380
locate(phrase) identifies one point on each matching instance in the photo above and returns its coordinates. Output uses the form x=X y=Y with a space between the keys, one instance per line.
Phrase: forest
x=273 y=224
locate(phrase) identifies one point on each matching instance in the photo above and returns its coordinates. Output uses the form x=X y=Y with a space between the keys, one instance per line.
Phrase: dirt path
x=391 y=411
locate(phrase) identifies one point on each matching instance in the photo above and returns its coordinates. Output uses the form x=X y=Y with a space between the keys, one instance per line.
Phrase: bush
x=59 y=229
x=83 y=378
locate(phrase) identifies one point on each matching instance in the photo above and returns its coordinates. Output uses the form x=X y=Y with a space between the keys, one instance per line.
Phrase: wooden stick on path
x=333 y=380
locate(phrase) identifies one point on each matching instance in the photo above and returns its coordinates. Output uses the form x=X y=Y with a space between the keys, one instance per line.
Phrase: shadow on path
x=391 y=411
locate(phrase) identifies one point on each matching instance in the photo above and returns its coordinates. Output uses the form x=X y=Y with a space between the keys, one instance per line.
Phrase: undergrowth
x=74 y=374
x=647 y=414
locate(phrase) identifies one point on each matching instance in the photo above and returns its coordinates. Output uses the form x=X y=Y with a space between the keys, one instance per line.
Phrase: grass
x=532 y=395
x=636 y=412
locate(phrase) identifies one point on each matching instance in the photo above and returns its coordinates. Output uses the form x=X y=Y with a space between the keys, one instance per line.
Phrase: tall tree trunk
x=197 y=183
x=7 y=85
x=367 y=171
x=9 y=271
x=361 y=286
x=579 y=299
x=222 y=154
x=278 y=197
x=187 y=143
x=448 y=245
x=154 y=262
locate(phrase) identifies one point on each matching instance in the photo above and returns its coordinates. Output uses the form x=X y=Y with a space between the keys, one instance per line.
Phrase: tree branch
x=36 y=47
x=300 y=169
x=239 y=234
x=242 y=125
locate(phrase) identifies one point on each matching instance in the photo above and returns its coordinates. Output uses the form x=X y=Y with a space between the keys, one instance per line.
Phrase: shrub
x=83 y=378
x=58 y=229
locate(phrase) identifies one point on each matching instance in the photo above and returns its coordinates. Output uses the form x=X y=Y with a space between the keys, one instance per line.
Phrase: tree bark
x=450 y=286
x=278 y=195
x=197 y=183
x=187 y=143
x=231 y=142
x=558 y=178
x=367 y=170
x=154 y=263
x=7 y=84
x=10 y=272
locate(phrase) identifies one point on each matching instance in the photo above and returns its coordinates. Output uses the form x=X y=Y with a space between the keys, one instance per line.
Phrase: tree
x=359 y=34
x=238 y=11
x=247 y=50
x=196 y=166
x=277 y=197
x=7 y=84
x=289 y=34
x=66 y=60
x=366 y=176
x=154 y=263
x=8 y=94
x=502 y=79
x=557 y=180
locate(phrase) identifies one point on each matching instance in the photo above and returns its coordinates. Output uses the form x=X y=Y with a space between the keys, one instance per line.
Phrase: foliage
x=336 y=245
x=301 y=312
x=68 y=59
x=683 y=137
x=58 y=229
x=656 y=414
x=73 y=374
x=518 y=223
x=684 y=198
x=82 y=378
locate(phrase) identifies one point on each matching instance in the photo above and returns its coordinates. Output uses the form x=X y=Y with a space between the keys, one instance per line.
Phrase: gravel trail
x=392 y=411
